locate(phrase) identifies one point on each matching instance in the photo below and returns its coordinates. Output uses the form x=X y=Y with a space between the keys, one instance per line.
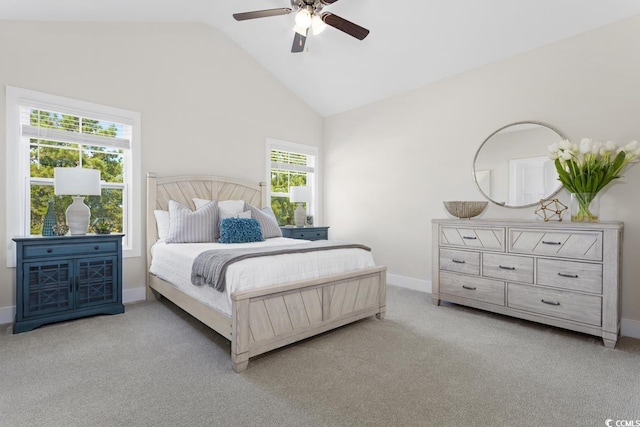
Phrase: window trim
x=17 y=204
x=277 y=144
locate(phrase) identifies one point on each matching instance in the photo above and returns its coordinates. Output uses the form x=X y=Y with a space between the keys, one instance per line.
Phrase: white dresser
x=559 y=273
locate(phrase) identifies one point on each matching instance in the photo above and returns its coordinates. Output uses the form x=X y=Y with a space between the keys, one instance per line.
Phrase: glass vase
x=585 y=207
x=49 y=221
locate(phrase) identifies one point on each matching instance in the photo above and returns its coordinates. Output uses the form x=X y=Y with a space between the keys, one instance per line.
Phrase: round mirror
x=512 y=167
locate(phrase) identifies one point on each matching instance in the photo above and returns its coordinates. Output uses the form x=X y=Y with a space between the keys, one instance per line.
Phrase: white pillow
x=231 y=209
x=227 y=208
x=267 y=220
x=187 y=226
x=162 y=223
x=200 y=202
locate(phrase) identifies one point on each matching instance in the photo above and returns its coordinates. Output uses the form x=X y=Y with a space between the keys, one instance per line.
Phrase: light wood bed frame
x=263 y=319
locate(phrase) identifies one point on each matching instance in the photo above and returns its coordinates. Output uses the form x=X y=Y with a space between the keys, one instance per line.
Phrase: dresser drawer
x=66 y=249
x=563 y=243
x=563 y=305
x=460 y=261
x=577 y=276
x=475 y=288
x=473 y=237
x=508 y=267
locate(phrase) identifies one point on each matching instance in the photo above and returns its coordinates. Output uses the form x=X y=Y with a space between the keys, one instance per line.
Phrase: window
x=290 y=165
x=45 y=131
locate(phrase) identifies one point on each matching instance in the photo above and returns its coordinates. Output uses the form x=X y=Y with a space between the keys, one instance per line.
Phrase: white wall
x=206 y=106
x=389 y=165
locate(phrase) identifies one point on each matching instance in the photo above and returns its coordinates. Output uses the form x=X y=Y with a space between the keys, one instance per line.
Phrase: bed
x=260 y=319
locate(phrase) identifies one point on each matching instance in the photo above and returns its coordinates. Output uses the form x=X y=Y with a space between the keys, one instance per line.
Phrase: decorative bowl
x=465 y=209
x=102 y=226
x=60 y=229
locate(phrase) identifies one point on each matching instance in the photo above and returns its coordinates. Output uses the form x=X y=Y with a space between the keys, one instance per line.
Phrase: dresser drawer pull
x=470 y=237
x=506 y=268
x=544 y=242
x=459 y=261
x=571 y=276
x=550 y=302
x=471 y=288
x=96 y=247
x=49 y=250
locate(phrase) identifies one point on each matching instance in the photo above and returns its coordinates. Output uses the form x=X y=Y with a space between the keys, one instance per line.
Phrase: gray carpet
x=422 y=366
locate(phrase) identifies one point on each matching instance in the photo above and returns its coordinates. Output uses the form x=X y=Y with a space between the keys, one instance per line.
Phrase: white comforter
x=172 y=263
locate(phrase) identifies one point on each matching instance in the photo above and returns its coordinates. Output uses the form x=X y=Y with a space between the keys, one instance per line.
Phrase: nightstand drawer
x=97 y=248
x=306 y=233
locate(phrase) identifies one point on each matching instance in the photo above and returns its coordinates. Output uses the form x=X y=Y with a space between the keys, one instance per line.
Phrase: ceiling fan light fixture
x=298 y=29
x=317 y=24
x=303 y=19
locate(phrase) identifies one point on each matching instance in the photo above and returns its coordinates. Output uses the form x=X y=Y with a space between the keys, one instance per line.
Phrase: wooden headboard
x=184 y=188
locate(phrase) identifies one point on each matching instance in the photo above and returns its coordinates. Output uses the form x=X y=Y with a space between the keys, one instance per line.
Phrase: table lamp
x=77 y=182
x=300 y=195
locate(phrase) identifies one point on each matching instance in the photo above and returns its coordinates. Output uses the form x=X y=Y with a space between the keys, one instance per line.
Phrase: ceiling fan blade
x=298 y=42
x=326 y=2
x=261 y=13
x=345 y=26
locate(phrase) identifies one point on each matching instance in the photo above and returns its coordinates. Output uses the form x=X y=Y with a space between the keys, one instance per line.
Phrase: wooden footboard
x=266 y=319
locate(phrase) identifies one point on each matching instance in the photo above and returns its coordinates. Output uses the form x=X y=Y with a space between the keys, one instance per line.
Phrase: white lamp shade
x=76 y=181
x=300 y=194
x=317 y=24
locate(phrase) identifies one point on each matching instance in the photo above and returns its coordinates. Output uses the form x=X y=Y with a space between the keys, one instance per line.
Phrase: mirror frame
x=475 y=158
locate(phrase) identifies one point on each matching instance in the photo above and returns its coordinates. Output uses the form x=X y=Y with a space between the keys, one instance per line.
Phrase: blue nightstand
x=306 y=233
x=64 y=278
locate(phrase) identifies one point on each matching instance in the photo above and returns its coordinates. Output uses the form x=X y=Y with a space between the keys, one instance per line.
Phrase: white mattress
x=172 y=263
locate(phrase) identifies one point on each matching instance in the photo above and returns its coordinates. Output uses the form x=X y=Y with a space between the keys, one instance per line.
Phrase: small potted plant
x=102 y=226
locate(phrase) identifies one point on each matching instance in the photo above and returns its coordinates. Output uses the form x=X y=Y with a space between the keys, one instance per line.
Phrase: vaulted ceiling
x=412 y=42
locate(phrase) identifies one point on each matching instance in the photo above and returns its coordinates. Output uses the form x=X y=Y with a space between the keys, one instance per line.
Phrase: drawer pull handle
x=550 y=302
x=96 y=247
x=471 y=288
x=49 y=250
x=506 y=268
x=469 y=237
x=544 y=242
x=459 y=261
x=571 y=276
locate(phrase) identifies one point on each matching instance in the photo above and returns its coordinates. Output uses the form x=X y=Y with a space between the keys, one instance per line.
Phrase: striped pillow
x=187 y=226
x=267 y=220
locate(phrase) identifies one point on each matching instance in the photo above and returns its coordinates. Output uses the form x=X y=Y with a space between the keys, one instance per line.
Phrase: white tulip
x=553 y=148
x=565 y=144
x=567 y=155
x=610 y=146
x=596 y=147
x=632 y=146
x=585 y=145
x=553 y=155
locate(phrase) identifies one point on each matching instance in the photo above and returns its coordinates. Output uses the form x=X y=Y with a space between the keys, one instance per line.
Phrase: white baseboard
x=8 y=314
x=409 y=283
x=134 y=295
x=630 y=328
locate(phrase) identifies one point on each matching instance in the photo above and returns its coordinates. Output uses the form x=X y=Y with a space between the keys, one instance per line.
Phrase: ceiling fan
x=308 y=15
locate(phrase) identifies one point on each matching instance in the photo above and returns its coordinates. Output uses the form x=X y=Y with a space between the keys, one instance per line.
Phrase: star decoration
x=551 y=210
